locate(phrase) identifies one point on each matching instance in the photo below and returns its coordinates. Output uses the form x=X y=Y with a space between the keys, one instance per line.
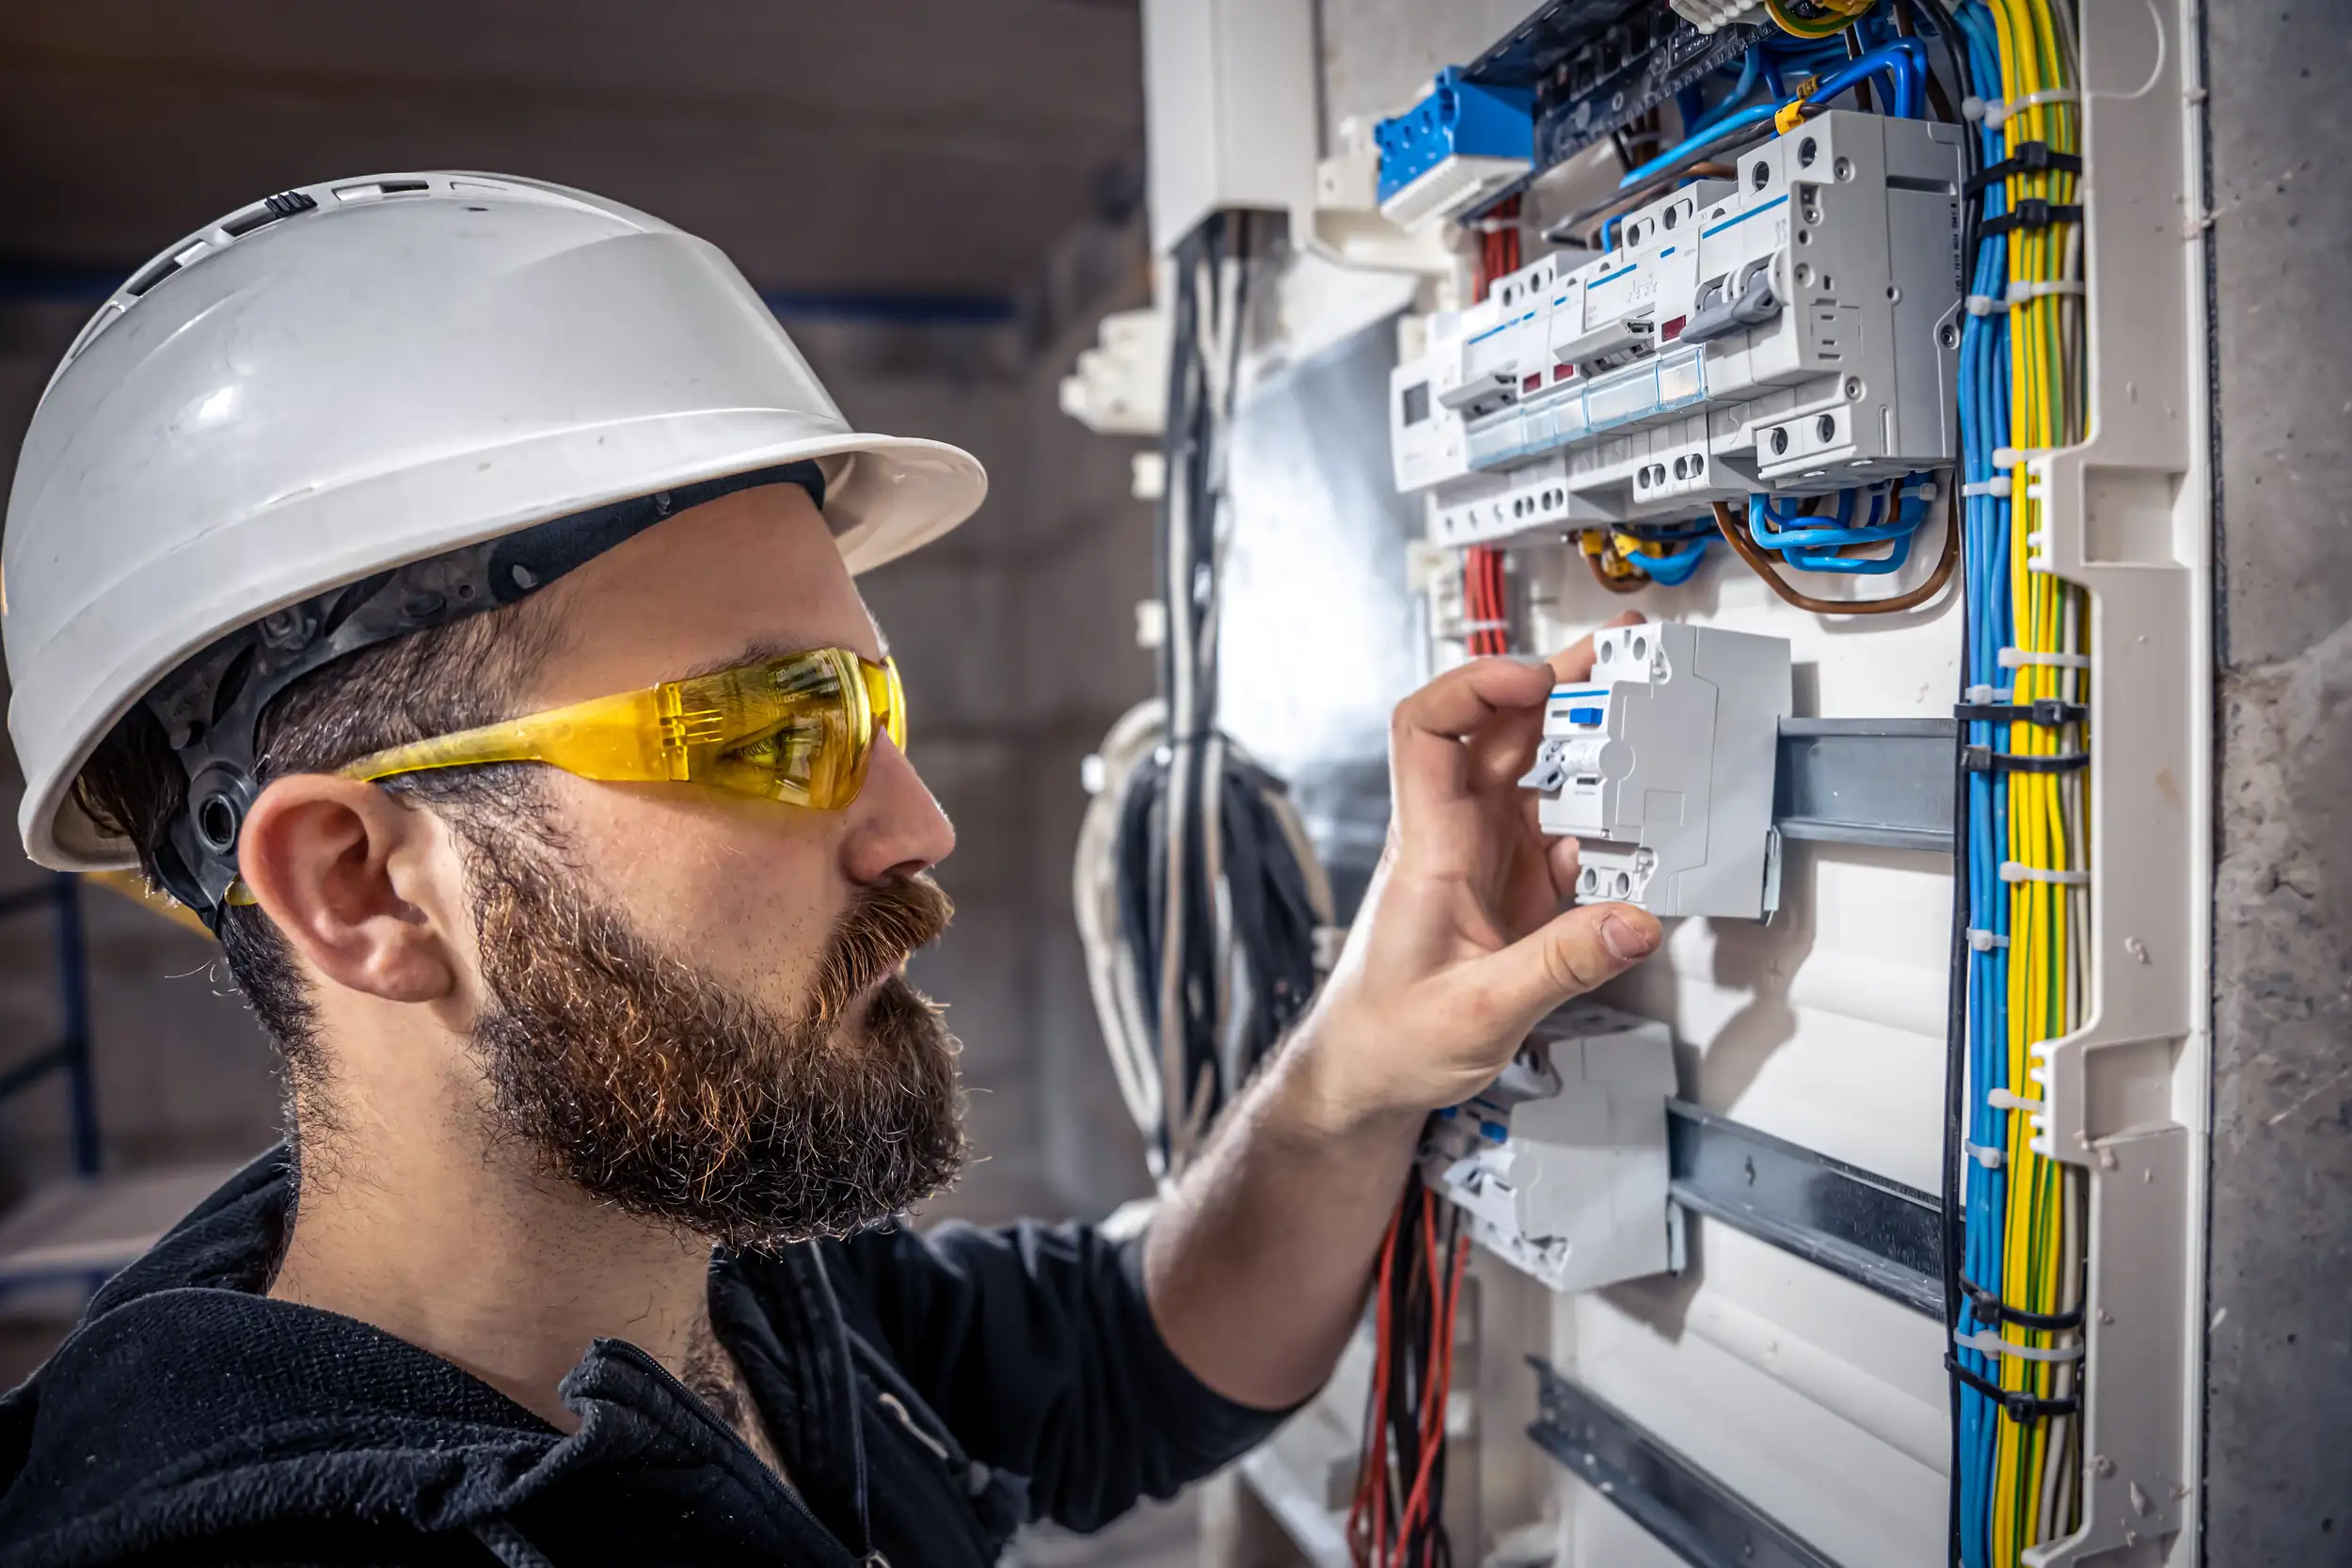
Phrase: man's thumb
x=1574 y=952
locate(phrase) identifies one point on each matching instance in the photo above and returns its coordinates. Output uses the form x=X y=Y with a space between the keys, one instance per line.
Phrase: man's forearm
x=1256 y=1264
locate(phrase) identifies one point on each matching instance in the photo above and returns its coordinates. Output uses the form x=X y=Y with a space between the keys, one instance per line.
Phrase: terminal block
x=1456 y=148
x=1662 y=767
x=1560 y=1167
x=1794 y=330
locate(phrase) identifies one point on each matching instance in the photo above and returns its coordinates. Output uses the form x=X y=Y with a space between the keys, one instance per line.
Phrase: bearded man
x=443 y=584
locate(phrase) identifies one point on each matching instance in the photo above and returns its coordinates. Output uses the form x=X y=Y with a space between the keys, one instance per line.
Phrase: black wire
x=1956 y=1020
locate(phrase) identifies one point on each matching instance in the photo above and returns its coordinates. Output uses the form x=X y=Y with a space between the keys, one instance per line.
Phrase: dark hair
x=448 y=678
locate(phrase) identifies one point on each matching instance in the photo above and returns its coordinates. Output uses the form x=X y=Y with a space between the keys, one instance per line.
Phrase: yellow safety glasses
x=798 y=729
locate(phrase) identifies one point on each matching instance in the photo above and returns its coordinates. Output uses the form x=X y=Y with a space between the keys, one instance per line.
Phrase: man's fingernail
x=1627 y=941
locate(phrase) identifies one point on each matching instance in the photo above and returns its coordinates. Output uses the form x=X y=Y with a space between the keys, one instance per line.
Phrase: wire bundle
x=1485 y=602
x=2017 y=1327
x=1795 y=532
x=1198 y=893
x=1396 y=1518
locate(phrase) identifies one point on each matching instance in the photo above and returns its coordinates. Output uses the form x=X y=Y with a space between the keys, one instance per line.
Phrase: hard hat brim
x=891 y=495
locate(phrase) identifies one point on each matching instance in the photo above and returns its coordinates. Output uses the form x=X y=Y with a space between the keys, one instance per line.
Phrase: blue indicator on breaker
x=1585 y=715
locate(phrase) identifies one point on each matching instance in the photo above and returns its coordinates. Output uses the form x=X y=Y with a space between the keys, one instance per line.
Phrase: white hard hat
x=359 y=375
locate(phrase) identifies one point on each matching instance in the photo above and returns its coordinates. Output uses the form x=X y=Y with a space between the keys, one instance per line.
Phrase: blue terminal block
x=1490 y=130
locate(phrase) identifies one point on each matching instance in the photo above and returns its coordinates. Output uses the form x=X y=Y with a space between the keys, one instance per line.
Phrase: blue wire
x=1902 y=62
x=1751 y=72
x=1988 y=621
x=1675 y=569
x=1689 y=145
x=1812 y=545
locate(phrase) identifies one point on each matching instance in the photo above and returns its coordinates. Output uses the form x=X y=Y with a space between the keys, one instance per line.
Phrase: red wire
x=1442 y=1386
x=1368 y=1518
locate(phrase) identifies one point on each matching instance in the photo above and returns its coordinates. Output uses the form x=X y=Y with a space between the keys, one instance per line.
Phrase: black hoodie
x=926 y=1394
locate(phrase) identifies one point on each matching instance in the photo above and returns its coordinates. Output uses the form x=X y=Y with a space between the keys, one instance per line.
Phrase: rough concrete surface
x=2278 y=1471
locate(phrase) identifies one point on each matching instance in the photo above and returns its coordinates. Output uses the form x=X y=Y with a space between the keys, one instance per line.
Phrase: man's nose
x=897 y=828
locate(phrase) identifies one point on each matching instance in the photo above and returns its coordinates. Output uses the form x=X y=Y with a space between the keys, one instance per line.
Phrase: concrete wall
x=2278 y=1473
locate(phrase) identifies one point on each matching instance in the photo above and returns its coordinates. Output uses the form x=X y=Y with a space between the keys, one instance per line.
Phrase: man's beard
x=656 y=1087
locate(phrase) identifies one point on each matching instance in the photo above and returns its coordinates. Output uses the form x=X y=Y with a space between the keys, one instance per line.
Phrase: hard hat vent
x=285 y=204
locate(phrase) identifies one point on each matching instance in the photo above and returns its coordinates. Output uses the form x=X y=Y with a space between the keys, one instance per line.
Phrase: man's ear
x=359 y=883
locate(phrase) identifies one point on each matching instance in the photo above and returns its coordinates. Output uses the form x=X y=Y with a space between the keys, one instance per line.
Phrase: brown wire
x=1735 y=534
x=1634 y=584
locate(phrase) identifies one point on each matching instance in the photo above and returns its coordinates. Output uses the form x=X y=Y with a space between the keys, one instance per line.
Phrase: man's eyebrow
x=758 y=651
x=762 y=650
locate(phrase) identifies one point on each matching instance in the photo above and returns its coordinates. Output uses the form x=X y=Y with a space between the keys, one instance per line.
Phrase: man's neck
x=503 y=1273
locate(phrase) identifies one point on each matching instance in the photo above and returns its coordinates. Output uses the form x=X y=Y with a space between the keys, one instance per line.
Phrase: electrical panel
x=1560 y=1165
x=1859 y=349
x=1793 y=329
x=1661 y=766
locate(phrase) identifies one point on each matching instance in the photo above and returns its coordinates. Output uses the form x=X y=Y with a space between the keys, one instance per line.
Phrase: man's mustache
x=883 y=927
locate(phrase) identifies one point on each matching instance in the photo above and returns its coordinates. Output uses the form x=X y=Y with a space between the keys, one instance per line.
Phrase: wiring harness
x=1396 y=1517
x=2017 y=1285
x=1198 y=893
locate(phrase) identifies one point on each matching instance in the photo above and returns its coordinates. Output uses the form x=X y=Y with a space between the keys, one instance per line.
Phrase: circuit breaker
x=1560 y=1165
x=1662 y=767
x=1791 y=330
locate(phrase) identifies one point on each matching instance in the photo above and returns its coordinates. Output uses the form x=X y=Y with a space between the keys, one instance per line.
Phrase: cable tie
x=1985 y=305
x=1984 y=759
x=1977 y=694
x=2031 y=213
x=2025 y=157
x=1985 y=941
x=1997 y=485
x=2018 y=1405
x=2017 y=659
x=2049 y=712
x=1990 y=1308
x=1988 y=1157
x=1996 y=114
x=2011 y=871
x=2020 y=291
x=1986 y=1342
x=2005 y=1100
x=2017 y=457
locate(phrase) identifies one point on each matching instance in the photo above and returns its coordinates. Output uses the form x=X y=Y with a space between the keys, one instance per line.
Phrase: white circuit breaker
x=1794 y=330
x=1560 y=1165
x=1661 y=766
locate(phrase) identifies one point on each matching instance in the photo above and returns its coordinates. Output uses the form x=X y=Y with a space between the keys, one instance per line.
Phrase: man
x=443 y=584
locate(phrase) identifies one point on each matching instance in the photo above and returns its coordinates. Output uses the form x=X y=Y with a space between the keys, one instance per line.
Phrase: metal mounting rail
x=1699 y=1518
x=1878 y=1234
x=1886 y=782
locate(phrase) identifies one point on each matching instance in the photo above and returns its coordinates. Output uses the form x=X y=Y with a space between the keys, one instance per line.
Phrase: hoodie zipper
x=699 y=1412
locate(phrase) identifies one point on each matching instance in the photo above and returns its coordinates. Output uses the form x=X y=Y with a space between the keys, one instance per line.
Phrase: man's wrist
x=1328 y=1096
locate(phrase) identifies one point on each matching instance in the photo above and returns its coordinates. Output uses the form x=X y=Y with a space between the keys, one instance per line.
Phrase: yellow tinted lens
x=887 y=698
x=791 y=729
x=798 y=729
